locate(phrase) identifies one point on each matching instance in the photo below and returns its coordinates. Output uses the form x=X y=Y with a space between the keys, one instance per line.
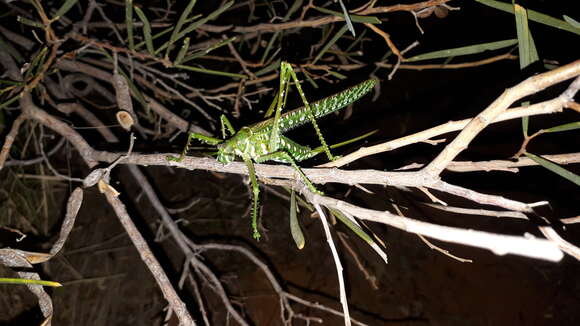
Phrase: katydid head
x=235 y=146
x=225 y=153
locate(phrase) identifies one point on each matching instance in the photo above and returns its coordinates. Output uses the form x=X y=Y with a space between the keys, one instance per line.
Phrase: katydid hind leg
x=310 y=115
x=282 y=156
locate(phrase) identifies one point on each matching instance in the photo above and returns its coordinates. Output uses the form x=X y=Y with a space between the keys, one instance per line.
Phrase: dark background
x=107 y=284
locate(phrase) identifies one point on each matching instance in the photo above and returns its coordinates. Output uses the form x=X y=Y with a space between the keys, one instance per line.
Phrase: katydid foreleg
x=255 y=193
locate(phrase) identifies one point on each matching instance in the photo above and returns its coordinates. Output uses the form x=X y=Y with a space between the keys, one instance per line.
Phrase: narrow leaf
x=571 y=21
x=347 y=18
x=202 y=21
x=295 y=229
x=555 y=168
x=29 y=22
x=64 y=9
x=465 y=50
x=354 y=18
x=533 y=16
x=10 y=101
x=180 y=23
x=24 y=281
x=129 y=23
x=330 y=43
x=182 y=52
x=564 y=127
x=211 y=72
x=527 y=48
x=146 y=30
x=156 y=36
x=208 y=49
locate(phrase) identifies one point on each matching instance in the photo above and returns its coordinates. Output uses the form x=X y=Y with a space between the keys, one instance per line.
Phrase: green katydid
x=264 y=141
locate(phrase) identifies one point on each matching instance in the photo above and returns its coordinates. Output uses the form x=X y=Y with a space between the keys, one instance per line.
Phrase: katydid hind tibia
x=263 y=141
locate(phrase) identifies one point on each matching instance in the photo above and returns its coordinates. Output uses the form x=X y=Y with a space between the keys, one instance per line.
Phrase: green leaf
x=182 y=52
x=295 y=6
x=129 y=23
x=533 y=16
x=211 y=72
x=571 y=21
x=146 y=30
x=269 y=68
x=269 y=46
x=64 y=9
x=24 y=281
x=337 y=75
x=527 y=48
x=10 y=101
x=180 y=23
x=330 y=43
x=208 y=49
x=195 y=25
x=555 y=168
x=156 y=36
x=202 y=21
x=295 y=229
x=346 y=16
x=29 y=22
x=465 y=50
x=354 y=18
x=564 y=127
x=353 y=227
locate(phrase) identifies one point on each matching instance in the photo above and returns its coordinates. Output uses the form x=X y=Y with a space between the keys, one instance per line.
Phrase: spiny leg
x=282 y=156
x=226 y=124
x=256 y=193
x=280 y=102
x=310 y=114
x=193 y=135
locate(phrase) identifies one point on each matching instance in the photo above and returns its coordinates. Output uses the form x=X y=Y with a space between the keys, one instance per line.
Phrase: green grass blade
x=356 y=41
x=64 y=9
x=353 y=227
x=29 y=22
x=337 y=75
x=209 y=49
x=354 y=18
x=295 y=229
x=564 y=127
x=182 y=52
x=156 y=36
x=129 y=23
x=533 y=16
x=555 y=168
x=146 y=30
x=269 y=68
x=202 y=21
x=527 y=48
x=193 y=26
x=330 y=43
x=182 y=20
x=465 y=50
x=269 y=46
x=346 y=16
x=211 y=72
x=571 y=21
x=24 y=281
x=10 y=101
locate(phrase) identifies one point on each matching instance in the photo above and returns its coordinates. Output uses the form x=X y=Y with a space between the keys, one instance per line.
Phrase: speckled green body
x=254 y=141
x=264 y=141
